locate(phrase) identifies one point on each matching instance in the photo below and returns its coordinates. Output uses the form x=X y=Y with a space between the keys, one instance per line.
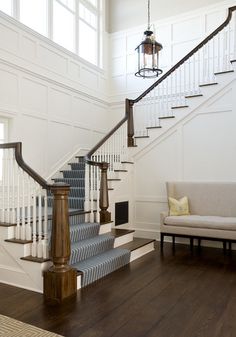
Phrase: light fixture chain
x=149 y=16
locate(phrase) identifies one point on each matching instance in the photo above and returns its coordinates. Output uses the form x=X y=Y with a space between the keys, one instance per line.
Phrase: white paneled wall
x=56 y=102
x=178 y=36
x=199 y=148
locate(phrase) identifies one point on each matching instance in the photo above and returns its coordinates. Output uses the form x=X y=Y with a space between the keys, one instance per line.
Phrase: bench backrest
x=206 y=198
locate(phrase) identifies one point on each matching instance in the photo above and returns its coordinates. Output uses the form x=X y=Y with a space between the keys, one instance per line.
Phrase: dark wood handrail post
x=60 y=281
x=105 y=216
x=130 y=125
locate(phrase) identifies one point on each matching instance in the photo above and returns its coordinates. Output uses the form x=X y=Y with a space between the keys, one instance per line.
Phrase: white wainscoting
x=56 y=102
x=201 y=147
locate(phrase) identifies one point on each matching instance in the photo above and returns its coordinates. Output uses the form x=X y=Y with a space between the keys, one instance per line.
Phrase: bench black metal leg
x=224 y=246
x=173 y=242
x=230 y=247
x=162 y=241
x=199 y=244
x=191 y=244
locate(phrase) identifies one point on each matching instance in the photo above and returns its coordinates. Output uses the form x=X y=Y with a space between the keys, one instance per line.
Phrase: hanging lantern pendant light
x=148 y=54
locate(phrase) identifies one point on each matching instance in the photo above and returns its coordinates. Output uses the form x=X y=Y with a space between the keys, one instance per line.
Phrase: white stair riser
x=123 y=239
x=105 y=228
x=137 y=253
x=79 y=282
x=7 y=232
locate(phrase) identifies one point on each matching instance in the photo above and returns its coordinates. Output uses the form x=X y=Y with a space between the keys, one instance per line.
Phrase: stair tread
x=19 y=241
x=127 y=162
x=166 y=117
x=206 y=84
x=114 y=179
x=224 y=72
x=35 y=259
x=141 y=136
x=102 y=264
x=72 y=170
x=137 y=243
x=120 y=232
x=86 y=242
x=179 y=106
x=191 y=96
x=120 y=171
x=154 y=127
x=5 y=224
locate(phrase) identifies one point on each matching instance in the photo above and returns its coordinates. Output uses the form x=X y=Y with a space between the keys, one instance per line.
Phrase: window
x=34 y=15
x=3 y=139
x=64 y=24
x=87 y=34
x=6 y=6
x=73 y=24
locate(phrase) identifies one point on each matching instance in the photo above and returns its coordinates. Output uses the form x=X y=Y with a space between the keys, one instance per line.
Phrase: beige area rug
x=12 y=328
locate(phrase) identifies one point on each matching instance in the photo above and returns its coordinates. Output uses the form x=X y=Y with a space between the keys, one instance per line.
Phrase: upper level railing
x=184 y=79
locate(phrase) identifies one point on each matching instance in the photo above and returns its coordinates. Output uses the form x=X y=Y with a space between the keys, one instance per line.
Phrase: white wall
x=199 y=148
x=178 y=34
x=125 y=14
x=55 y=101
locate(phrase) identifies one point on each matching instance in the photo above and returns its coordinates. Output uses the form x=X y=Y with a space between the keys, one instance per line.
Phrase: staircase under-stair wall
x=64 y=233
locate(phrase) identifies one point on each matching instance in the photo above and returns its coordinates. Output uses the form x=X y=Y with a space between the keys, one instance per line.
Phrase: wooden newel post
x=130 y=116
x=105 y=216
x=60 y=281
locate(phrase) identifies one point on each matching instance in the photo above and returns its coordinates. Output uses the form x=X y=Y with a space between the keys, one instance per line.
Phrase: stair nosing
x=145 y=242
x=224 y=72
x=166 y=117
x=141 y=137
x=206 y=84
x=154 y=127
x=179 y=107
x=192 y=96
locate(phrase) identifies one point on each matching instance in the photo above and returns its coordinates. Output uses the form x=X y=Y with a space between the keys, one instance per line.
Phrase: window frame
x=98 y=11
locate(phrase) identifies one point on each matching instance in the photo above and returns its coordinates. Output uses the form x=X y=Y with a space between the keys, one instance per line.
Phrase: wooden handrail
x=131 y=102
x=103 y=140
x=60 y=280
x=186 y=57
x=129 y=108
x=20 y=161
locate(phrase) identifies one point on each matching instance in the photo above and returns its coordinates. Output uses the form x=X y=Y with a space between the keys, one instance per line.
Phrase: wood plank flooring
x=174 y=295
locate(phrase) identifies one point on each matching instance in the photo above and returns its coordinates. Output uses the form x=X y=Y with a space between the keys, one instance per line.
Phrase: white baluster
x=28 y=224
x=97 y=175
x=91 y=193
x=8 y=167
x=3 y=185
x=22 y=229
x=229 y=46
x=219 y=51
x=13 y=189
x=45 y=227
x=40 y=244
x=234 y=35
x=87 y=187
x=18 y=215
x=34 y=244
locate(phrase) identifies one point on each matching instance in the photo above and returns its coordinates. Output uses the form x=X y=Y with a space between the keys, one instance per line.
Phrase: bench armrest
x=163 y=215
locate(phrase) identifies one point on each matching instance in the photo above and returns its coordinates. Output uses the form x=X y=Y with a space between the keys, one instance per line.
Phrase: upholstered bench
x=212 y=208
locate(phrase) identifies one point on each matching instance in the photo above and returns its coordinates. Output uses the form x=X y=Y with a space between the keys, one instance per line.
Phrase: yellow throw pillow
x=178 y=207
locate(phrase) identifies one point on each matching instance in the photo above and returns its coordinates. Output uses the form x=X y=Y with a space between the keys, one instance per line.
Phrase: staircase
x=74 y=212
x=95 y=250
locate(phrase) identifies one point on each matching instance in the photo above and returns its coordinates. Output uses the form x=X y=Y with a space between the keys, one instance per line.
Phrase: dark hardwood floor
x=174 y=295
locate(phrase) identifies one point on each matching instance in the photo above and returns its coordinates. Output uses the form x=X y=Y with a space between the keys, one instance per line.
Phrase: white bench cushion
x=201 y=221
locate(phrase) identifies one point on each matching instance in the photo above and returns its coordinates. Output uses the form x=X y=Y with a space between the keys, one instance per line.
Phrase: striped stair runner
x=91 y=253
